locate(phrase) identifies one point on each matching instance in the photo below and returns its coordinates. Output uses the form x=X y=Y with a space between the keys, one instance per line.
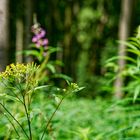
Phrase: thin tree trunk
x=124 y=29
x=67 y=37
x=4 y=36
x=28 y=24
x=19 y=41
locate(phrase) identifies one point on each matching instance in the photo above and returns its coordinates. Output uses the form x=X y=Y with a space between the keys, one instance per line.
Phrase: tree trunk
x=124 y=29
x=67 y=37
x=28 y=24
x=4 y=36
x=19 y=41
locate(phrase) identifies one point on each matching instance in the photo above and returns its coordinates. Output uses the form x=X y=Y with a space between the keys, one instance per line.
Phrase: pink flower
x=38 y=44
x=42 y=33
x=38 y=36
x=45 y=42
x=34 y=39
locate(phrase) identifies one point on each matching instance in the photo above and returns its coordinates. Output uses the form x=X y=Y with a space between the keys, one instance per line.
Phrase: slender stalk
x=50 y=119
x=12 y=92
x=28 y=118
x=12 y=124
x=41 y=68
x=15 y=120
x=26 y=110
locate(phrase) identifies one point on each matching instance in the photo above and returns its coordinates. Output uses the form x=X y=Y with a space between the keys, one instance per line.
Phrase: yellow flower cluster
x=17 y=70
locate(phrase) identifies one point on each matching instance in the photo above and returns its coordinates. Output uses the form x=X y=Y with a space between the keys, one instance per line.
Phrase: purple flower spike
x=39 y=39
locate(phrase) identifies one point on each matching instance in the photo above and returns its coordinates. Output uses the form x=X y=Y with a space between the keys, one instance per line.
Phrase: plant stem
x=12 y=92
x=28 y=118
x=15 y=120
x=50 y=119
x=12 y=124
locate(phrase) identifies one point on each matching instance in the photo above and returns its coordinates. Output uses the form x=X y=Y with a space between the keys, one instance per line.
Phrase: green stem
x=12 y=92
x=50 y=119
x=15 y=120
x=12 y=125
x=28 y=118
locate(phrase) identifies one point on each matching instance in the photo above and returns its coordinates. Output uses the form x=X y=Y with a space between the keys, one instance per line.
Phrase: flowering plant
x=39 y=37
x=19 y=85
x=41 y=53
x=39 y=49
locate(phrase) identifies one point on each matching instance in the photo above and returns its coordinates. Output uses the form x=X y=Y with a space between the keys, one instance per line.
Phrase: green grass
x=84 y=119
x=97 y=119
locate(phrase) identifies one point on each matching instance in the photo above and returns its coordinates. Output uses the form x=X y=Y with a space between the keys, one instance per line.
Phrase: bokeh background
x=87 y=31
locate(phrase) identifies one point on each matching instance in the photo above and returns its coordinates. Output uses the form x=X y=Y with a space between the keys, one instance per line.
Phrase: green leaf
x=51 y=67
x=136 y=52
x=40 y=87
x=34 y=53
x=78 y=89
x=128 y=44
x=136 y=93
x=12 y=98
x=121 y=57
x=63 y=76
x=59 y=63
x=52 y=49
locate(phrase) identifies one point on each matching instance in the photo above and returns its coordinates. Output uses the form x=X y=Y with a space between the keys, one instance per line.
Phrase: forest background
x=86 y=31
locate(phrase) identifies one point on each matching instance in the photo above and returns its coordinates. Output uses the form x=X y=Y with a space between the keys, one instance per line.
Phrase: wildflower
x=34 y=39
x=19 y=71
x=45 y=42
x=42 y=33
x=39 y=36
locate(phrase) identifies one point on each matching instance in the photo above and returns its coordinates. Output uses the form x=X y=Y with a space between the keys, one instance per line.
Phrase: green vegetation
x=32 y=109
x=77 y=80
x=20 y=104
x=84 y=119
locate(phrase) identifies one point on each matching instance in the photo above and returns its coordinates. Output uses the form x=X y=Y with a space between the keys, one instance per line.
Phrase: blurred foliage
x=131 y=71
x=22 y=85
x=84 y=30
x=22 y=98
x=94 y=25
x=99 y=120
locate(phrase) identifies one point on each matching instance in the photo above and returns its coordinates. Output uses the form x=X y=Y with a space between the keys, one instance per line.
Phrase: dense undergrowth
x=31 y=106
x=84 y=119
x=98 y=120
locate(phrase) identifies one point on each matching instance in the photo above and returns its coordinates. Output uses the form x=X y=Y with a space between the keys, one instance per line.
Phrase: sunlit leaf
x=136 y=93
x=41 y=87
